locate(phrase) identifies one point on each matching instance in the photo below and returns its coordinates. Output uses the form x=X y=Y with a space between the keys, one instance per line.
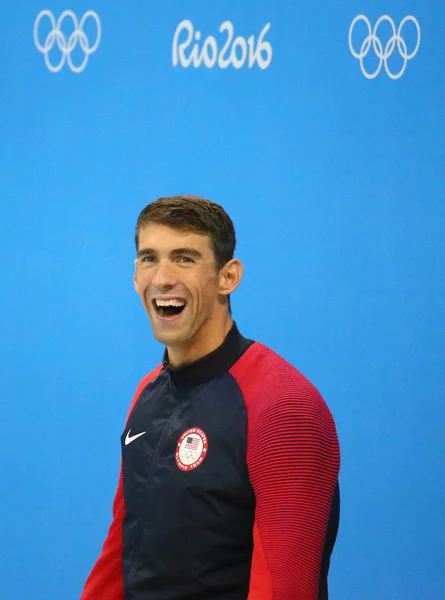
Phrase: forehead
x=165 y=239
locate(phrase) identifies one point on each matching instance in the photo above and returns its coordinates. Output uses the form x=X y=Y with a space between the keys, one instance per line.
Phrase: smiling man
x=228 y=487
x=184 y=287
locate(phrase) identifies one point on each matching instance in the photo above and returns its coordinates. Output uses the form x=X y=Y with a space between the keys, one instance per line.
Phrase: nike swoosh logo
x=130 y=438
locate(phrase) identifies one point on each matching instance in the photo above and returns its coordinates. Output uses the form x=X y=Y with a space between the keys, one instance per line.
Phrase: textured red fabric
x=293 y=460
x=105 y=580
x=260 y=577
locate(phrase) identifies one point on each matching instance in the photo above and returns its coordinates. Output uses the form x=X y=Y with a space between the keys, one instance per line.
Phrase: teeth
x=173 y=302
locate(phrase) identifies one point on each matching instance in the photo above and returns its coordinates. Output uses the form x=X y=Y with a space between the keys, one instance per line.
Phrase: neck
x=207 y=339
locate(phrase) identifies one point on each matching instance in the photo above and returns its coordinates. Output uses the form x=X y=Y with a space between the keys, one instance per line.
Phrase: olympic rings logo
x=190 y=455
x=384 y=53
x=66 y=46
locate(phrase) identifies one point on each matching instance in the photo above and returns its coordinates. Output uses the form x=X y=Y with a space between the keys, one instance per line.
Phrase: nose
x=164 y=277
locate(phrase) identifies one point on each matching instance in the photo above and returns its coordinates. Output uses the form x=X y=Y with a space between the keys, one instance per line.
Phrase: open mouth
x=168 y=309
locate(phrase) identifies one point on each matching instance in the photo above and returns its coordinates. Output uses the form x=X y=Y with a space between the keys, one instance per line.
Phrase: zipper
x=143 y=512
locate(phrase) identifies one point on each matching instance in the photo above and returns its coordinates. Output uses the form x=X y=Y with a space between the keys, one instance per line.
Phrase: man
x=228 y=485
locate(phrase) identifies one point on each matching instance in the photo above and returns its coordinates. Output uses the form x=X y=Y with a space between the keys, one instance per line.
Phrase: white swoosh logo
x=130 y=438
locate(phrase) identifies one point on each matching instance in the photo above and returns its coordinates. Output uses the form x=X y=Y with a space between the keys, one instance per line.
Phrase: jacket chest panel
x=168 y=473
x=143 y=433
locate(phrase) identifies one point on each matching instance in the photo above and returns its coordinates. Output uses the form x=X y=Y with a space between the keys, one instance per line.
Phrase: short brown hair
x=194 y=214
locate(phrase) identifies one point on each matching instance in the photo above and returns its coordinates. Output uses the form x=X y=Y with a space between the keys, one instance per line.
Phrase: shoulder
x=149 y=378
x=261 y=371
x=289 y=423
x=273 y=389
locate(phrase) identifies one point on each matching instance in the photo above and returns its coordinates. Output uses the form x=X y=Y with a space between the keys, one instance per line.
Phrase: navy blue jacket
x=228 y=486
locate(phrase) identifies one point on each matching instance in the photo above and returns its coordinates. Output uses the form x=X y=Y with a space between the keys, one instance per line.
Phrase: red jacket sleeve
x=293 y=460
x=105 y=581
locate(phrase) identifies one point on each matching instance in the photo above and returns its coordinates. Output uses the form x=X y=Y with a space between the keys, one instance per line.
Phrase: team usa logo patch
x=191 y=449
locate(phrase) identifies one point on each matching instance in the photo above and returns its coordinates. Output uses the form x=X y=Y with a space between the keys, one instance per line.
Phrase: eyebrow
x=175 y=252
x=146 y=251
x=189 y=251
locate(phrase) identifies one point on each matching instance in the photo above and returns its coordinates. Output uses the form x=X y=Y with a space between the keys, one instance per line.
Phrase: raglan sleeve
x=293 y=459
x=105 y=581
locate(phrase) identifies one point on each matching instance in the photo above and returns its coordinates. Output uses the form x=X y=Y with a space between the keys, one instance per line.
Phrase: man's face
x=177 y=280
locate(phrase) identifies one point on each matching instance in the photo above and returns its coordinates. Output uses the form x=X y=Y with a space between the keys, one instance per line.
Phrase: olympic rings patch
x=191 y=449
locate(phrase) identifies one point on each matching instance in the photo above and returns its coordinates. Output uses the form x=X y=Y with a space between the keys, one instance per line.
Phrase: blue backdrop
x=324 y=138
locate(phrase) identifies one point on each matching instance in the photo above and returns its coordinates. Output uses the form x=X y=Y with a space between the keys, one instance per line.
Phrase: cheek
x=141 y=285
x=203 y=288
x=209 y=291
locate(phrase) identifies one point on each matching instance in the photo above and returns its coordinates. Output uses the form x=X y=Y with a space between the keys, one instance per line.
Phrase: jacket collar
x=212 y=365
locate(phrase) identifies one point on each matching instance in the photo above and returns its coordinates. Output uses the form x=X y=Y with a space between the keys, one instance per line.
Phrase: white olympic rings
x=66 y=46
x=384 y=53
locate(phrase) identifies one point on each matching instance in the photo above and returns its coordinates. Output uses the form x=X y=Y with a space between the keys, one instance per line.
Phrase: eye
x=185 y=259
x=148 y=258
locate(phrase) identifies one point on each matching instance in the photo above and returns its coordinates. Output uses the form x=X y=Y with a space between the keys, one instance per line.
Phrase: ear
x=230 y=276
x=135 y=277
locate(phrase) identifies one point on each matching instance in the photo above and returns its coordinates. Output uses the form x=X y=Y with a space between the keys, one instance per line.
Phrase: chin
x=170 y=338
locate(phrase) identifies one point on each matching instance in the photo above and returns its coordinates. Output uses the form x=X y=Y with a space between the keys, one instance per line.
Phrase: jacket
x=228 y=487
